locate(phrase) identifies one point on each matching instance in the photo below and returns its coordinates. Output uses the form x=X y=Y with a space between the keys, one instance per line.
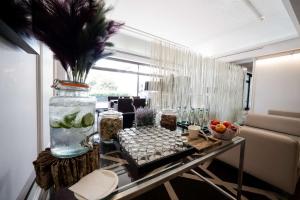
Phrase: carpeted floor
x=190 y=187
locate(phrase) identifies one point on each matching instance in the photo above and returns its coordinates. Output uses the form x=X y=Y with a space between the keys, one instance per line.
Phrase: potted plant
x=77 y=32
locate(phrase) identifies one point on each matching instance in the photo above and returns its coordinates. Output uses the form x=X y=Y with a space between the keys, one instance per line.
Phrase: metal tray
x=140 y=169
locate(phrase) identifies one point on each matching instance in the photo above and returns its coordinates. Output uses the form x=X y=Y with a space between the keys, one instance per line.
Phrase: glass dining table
x=132 y=184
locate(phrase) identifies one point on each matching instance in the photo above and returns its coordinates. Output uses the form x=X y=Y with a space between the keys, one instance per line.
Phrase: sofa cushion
x=296 y=138
x=281 y=124
x=284 y=113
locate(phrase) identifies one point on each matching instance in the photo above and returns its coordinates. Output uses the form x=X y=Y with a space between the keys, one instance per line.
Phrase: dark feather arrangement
x=17 y=15
x=77 y=31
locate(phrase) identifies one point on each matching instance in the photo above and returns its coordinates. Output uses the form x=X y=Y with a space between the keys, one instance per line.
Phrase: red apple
x=234 y=128
x=215 y=122
x=213 y=127
x=227 y=124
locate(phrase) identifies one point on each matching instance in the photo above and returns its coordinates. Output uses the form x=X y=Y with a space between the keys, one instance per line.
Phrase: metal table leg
x=240 y=176
x=241 y=169
x=213 y=185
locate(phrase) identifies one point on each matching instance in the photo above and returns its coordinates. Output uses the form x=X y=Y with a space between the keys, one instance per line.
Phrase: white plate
x=108 y=191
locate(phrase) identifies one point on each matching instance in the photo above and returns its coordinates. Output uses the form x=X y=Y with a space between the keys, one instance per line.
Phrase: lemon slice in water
x=87 y=120
x=55 y=124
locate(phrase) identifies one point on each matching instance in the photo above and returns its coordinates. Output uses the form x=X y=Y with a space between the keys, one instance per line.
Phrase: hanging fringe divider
x=185 y=79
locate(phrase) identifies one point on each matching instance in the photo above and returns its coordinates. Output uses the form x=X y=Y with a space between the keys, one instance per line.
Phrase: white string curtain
x=183 y=78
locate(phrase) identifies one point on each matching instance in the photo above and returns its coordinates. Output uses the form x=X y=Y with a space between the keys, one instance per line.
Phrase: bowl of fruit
x=223 y=130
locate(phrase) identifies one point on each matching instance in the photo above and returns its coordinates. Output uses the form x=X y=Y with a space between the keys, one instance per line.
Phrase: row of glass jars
x=110 y=122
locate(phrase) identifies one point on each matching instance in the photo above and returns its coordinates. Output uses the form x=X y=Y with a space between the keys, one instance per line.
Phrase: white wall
x=264 y=50
x=25 y=83
x=277 y=84
x=18 y=118
x=132 y=44
x=46 y=64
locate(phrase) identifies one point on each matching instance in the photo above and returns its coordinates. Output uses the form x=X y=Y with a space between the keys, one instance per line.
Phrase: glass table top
x=132 y=183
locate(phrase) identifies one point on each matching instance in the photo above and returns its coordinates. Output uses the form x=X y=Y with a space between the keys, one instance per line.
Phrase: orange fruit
x=220 y=128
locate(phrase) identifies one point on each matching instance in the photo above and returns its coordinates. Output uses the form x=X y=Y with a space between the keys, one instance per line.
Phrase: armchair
x=272 y=150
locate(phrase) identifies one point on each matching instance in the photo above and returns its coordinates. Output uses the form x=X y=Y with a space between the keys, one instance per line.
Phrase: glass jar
x=168 y=119
x=110 y=123
x=72 y=117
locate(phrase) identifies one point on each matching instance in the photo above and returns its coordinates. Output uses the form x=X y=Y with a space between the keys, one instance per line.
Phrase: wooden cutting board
x=202 y=144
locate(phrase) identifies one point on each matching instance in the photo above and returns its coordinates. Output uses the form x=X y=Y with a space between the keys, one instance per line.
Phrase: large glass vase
x=72 y=117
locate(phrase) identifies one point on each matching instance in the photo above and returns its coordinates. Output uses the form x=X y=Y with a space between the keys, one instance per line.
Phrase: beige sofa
x=284 y=113
x=272 y=150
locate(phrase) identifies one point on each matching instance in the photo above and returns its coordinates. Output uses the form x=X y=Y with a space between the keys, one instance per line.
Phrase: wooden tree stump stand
x=51 y=171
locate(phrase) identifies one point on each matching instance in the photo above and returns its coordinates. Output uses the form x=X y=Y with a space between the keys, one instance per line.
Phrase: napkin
x=95 y=185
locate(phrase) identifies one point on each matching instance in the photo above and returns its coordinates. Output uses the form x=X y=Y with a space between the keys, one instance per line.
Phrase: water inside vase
x=71 y=121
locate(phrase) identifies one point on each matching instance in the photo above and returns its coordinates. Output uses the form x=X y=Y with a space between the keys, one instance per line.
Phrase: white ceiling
x=211 y=27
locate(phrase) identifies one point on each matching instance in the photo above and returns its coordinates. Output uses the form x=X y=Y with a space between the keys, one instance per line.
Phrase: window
x=117 y=78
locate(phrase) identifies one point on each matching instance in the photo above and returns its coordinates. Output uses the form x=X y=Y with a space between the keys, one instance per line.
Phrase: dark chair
x=126 y=107
x=112 y=98
x=139 y=103
x=128 y=119
x=124 y=97
x=110 y=103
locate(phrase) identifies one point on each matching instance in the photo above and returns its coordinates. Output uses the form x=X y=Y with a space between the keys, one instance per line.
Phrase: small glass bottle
x=179 y=115
x=185 y=117
x=205 y=117
x=110 y=123
x=199 y=116
x=192 y=116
